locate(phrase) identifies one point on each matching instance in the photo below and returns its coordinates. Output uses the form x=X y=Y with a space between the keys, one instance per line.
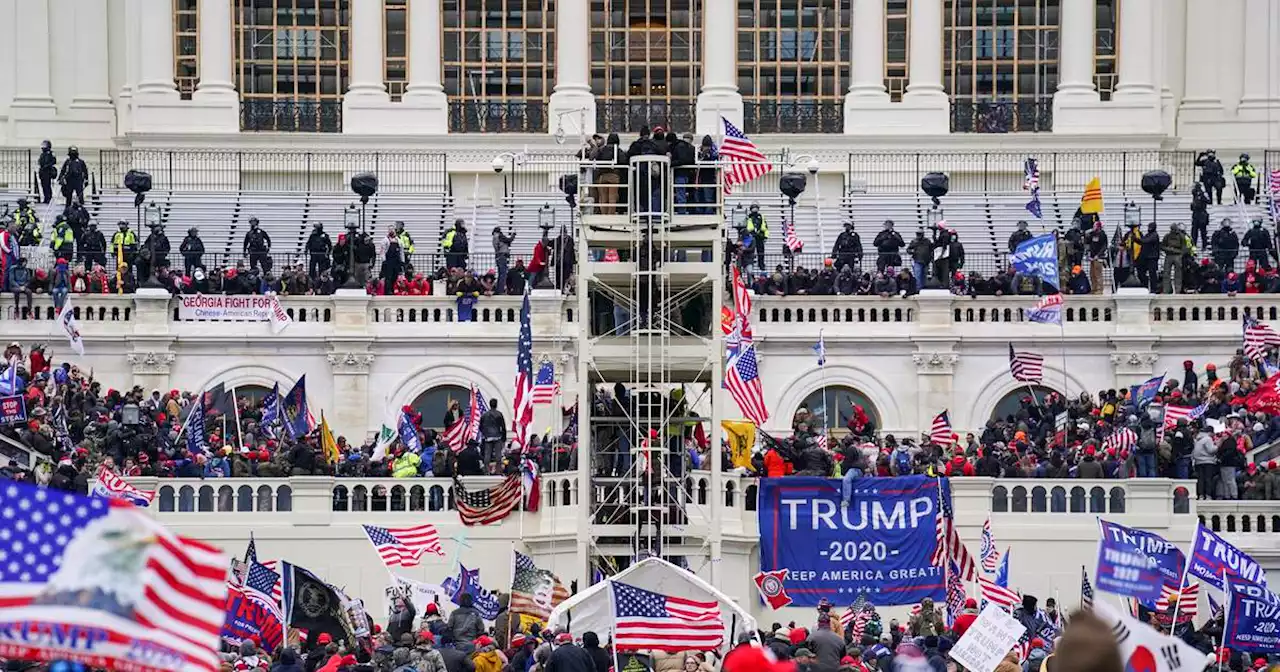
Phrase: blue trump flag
x=297 y=418
x=1038 y=258
x=408 y=433
x=468 y=581
x=1125 y=565
x=1253 y=618
x=1146 y=393
x=1212 y=555
x=271 y=411
x=880 y=546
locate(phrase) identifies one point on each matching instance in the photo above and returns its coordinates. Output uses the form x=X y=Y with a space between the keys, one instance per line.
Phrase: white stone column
x=124 y=97
x=215 y=51
x=572 y=101
x=1137 y=50
x=1260 y=56
x=1075 y=52
x=90 y=21
x=1200 y=83
x=719 y=96
x=367 y=52
x=866 y=72
x=925 y=71
x=425 y=92
x=155 y=64
x=31 y=91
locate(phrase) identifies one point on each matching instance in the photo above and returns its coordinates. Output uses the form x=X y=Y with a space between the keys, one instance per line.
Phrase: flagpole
x=1062 y=344
x=1226 y=611
x=613 y=633
x=239 y=430
x=512 y=616
x=822 y=366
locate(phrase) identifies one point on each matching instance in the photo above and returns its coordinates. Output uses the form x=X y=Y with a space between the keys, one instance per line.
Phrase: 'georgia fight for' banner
x=1212 y=555
x=1253 y=618
x=881 y=545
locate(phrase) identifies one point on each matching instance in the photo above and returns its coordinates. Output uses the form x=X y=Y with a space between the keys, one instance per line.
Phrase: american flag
x=490 y=505
x=1172 y=414
x=998 y=595
x=789 y=236
x=151 y=589
x=1031 y=183
x=1275 y=195
x=649 y=620
x=535 y=591
x=251 y=551
x=522 y=414
x=955 y=593
x=743 y=381
x=467 y=426
x=940 y=433
x=1185 y=600
x=277 y=590
x=1023 y=645
x=403 y=546
x=950 y=547
x=262 y=585
x=1025 y=366
x=1121 y=439
x=862 y=615
x=1215 y=609
x=545 y=387
x=987 y=551
x=112 y=485
x=1086 y=589
x=743 y=161
x=1258 y=337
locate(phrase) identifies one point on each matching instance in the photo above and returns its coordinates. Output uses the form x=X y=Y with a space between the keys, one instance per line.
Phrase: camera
x=813 y=166
x=498 y=164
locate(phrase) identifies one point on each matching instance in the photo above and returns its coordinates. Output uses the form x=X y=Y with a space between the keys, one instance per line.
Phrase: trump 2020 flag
x=1212 y=555
x=1038 y=258
x=99 y=581
x=1146 y=393
x=1124 y=566
x=1253 y=617
x=468 y=581
x=111 y=485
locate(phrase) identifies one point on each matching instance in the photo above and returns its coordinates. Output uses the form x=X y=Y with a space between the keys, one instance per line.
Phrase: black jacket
x=74 y=172
x=319 y=243
x=257 y=240
x=192 y=245
x=93 y=241
x=493 y=425
x=570 y=658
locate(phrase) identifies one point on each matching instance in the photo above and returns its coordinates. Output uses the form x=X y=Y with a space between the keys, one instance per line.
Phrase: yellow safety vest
x=1244 y=170
x=448 y=240
x=406 y=466
x=406 y=243
x=62 y=236
x=123 y=239
x=754 y=228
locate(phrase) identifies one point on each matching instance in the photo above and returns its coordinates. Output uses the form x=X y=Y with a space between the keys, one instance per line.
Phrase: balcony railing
x=476 y=116
x=794 y=116
x=291 y=116
x=1002 y=116
x=623 y=116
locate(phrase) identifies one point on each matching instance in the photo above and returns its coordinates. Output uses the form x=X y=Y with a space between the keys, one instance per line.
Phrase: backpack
x=440 y=462
x=902 y=462
x=1147 y=441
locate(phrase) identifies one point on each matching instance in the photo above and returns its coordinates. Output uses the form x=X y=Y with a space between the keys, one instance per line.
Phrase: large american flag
x=861 y=616
x=522 y=414
x=277 y=590
x=987 y=551
x=1086 y=589
x=789 y=236
x=1185 y=600
x=467 y=426
x=545 y=387
x=262 y=585
x=112 y=485
x=404 y=546
x=940 y=432
x=950 y=547
x=649 y=620
x=490 y=505
x=1121 y=439
x=534 y=591
x=1172 y=414
x=147 y=588
x=1025 y=366
x=743 y=381
x=1258 y=337
x=999 y=595
x=743 y=160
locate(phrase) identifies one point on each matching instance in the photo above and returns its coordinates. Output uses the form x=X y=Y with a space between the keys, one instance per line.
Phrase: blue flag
x=466 y=308
x=820 y=349
x=1253 y=618
x=468 y=581
x=195 y=428
x=1146 y=393
x=408 y=433
x=296 y=416
x=1038 y=258
x=1031 y=183
x=1002 y=572
x=271 y=411
x=1047 y=311
x=1124 y=566
x=1212 y=555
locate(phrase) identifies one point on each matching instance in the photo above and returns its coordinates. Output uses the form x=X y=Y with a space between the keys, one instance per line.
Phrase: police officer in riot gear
x=888 y=244
x=848 y=248
x=93 y=247
x=73 y=177
x=319 y=249
x=1245 y=174
x=1200 y=201
x=1019 y=236
x=192 y=249
x=48 y=170
x=1211 y=173
x=1226 y=247
x=759 y=230
x=257 y=247
x=1258 y=241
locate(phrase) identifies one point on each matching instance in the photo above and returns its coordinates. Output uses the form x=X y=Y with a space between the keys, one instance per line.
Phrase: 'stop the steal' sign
x=880 y=545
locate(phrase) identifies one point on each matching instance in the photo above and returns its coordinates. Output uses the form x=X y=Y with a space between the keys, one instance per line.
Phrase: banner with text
x=1253 y=618
x=1212 y=555
x=880 y=545
x=249 y=616
x=1125 y=564
x=13 y=409
x=218 y=308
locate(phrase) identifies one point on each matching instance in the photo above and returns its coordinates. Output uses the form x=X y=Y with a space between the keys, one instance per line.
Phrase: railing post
x=239 y=171
x=1124 y=171
x=308 y=172
x=986 y=171
x=171 y=169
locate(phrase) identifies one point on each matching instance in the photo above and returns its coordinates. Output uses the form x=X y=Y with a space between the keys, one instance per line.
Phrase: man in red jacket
x=966 y=617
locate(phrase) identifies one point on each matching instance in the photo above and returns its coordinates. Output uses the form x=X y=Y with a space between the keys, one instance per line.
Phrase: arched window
x=433 y=404
x=254 y=393
x=1011 y=402
x=841 y=400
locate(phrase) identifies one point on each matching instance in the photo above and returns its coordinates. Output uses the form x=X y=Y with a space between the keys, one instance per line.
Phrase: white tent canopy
x=592 y=609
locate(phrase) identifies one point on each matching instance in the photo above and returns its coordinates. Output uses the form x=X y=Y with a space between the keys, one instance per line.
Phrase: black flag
x=313 y=605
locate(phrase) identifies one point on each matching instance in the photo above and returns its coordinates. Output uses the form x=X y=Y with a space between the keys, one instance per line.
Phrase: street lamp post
x=351 y=222
x=153 y=219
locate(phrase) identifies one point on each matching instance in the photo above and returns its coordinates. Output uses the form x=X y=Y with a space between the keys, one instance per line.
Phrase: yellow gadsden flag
x=741 y=435
x=1091 y=202
x=327 y=444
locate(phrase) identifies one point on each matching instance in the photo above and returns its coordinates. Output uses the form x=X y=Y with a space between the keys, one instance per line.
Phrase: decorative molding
x=350 y=362
x=1135 y=359
x=151 y=363
x=935 y=363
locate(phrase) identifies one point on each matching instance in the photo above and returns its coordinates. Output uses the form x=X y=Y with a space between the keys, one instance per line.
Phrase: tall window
x=645 y=62
x=793 y=64
x=396 y=31
x=1000 y=63
x=897 y=41
x=186 y=45
x=499 y=58
x=1106 y=52
x=292 y=59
